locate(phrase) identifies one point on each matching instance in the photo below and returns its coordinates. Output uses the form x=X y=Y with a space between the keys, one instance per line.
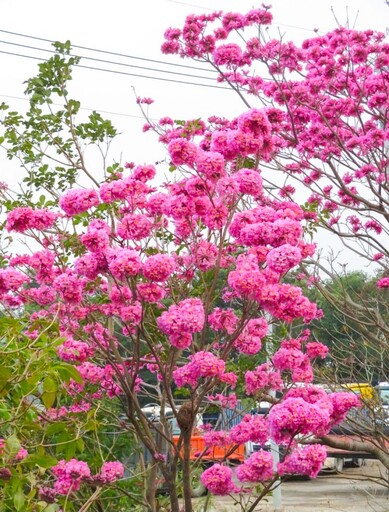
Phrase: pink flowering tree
x=153 y=290
x=327 y=103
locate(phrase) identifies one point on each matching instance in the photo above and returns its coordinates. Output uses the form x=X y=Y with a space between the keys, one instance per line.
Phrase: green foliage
x=48 y=141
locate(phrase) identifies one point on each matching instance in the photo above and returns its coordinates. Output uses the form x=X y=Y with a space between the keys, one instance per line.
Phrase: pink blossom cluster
x=202 y=365
x=158 y=267
x=253 y=428
x=307 y=460
x=181 y=320
x=218 y=480
x=294 y=361
x=249 y=341
x=74 y=350
x=130 y=189
x=123 y=263
x=69 y=287
x=63 y=412
x=11 y=280
x=341 y=403
x=97 y=237
x=295 y=416
x=23 y=218
x=77 y=201
x=257 y=468
x=134 y=226
x=283 y=258
x=263 y=378
x=223 y=320
x=109 y=472
x=72 y=473
x=216 y=438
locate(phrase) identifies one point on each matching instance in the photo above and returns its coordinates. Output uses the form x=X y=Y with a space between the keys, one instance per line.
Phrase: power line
x=123 y=72
x=110 y=52
x=108 y=61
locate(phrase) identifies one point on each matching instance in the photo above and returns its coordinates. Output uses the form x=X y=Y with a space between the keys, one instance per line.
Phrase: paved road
x=348 y=492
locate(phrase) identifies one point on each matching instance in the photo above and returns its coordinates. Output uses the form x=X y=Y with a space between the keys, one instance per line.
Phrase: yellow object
x=363 y=389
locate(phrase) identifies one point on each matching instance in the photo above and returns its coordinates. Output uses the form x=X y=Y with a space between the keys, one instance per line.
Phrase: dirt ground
x=354 y=490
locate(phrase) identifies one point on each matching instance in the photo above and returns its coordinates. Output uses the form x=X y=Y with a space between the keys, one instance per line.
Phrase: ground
x=346 y=492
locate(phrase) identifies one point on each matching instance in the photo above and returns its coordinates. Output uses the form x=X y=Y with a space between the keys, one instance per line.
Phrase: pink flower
x=69 y=475
x=283 y=258
x=249 y=182
x=383 y=282
x=182 y=152
x=223 y=319
x=216 y=438
x=249 y=341
x=228 y=55
x=257 y=468
x=11 y=279
x=316 y=349
x=22 y=454
x=124 y=262
x=307 y=460
x=73 y=350
x=187 y=316
x=69 y=287
x=295 y=416
x=253 y=428
x=77 y=201
x=111 y=471
x=23 y=218
x=218 y=480
x=159 y=267
x=134 y=227
x=262 y=378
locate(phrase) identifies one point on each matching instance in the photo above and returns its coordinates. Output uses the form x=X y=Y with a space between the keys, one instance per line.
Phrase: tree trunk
x=186 y=473
x=172 y=488
x=151 y=488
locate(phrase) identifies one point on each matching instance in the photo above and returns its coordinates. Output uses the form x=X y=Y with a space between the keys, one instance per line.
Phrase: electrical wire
x=123 y=72
x=109 y=61
x=109 y=52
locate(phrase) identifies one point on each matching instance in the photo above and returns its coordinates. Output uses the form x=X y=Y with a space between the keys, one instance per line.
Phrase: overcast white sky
x=136 y=29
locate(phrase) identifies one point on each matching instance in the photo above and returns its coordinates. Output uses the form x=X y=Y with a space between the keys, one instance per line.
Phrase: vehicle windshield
x=384 y=395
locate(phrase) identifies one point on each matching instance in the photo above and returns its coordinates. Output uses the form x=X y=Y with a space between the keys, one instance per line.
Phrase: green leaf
x=48 y=399
x=49 y=385
x=80 y=444
x=67 y=372
x=12 y=445
x=19 y=500
x=42 y=460
x=55 y=428
x=5 y=374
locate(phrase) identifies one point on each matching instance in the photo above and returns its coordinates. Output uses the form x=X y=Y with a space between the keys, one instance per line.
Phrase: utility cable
x=110 y=52
x=109 y=61
x=124 y=72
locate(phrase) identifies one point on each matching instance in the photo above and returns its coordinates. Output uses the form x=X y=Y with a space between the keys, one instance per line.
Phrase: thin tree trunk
x=171 y=483
x=151 y=488
x=186 y=477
